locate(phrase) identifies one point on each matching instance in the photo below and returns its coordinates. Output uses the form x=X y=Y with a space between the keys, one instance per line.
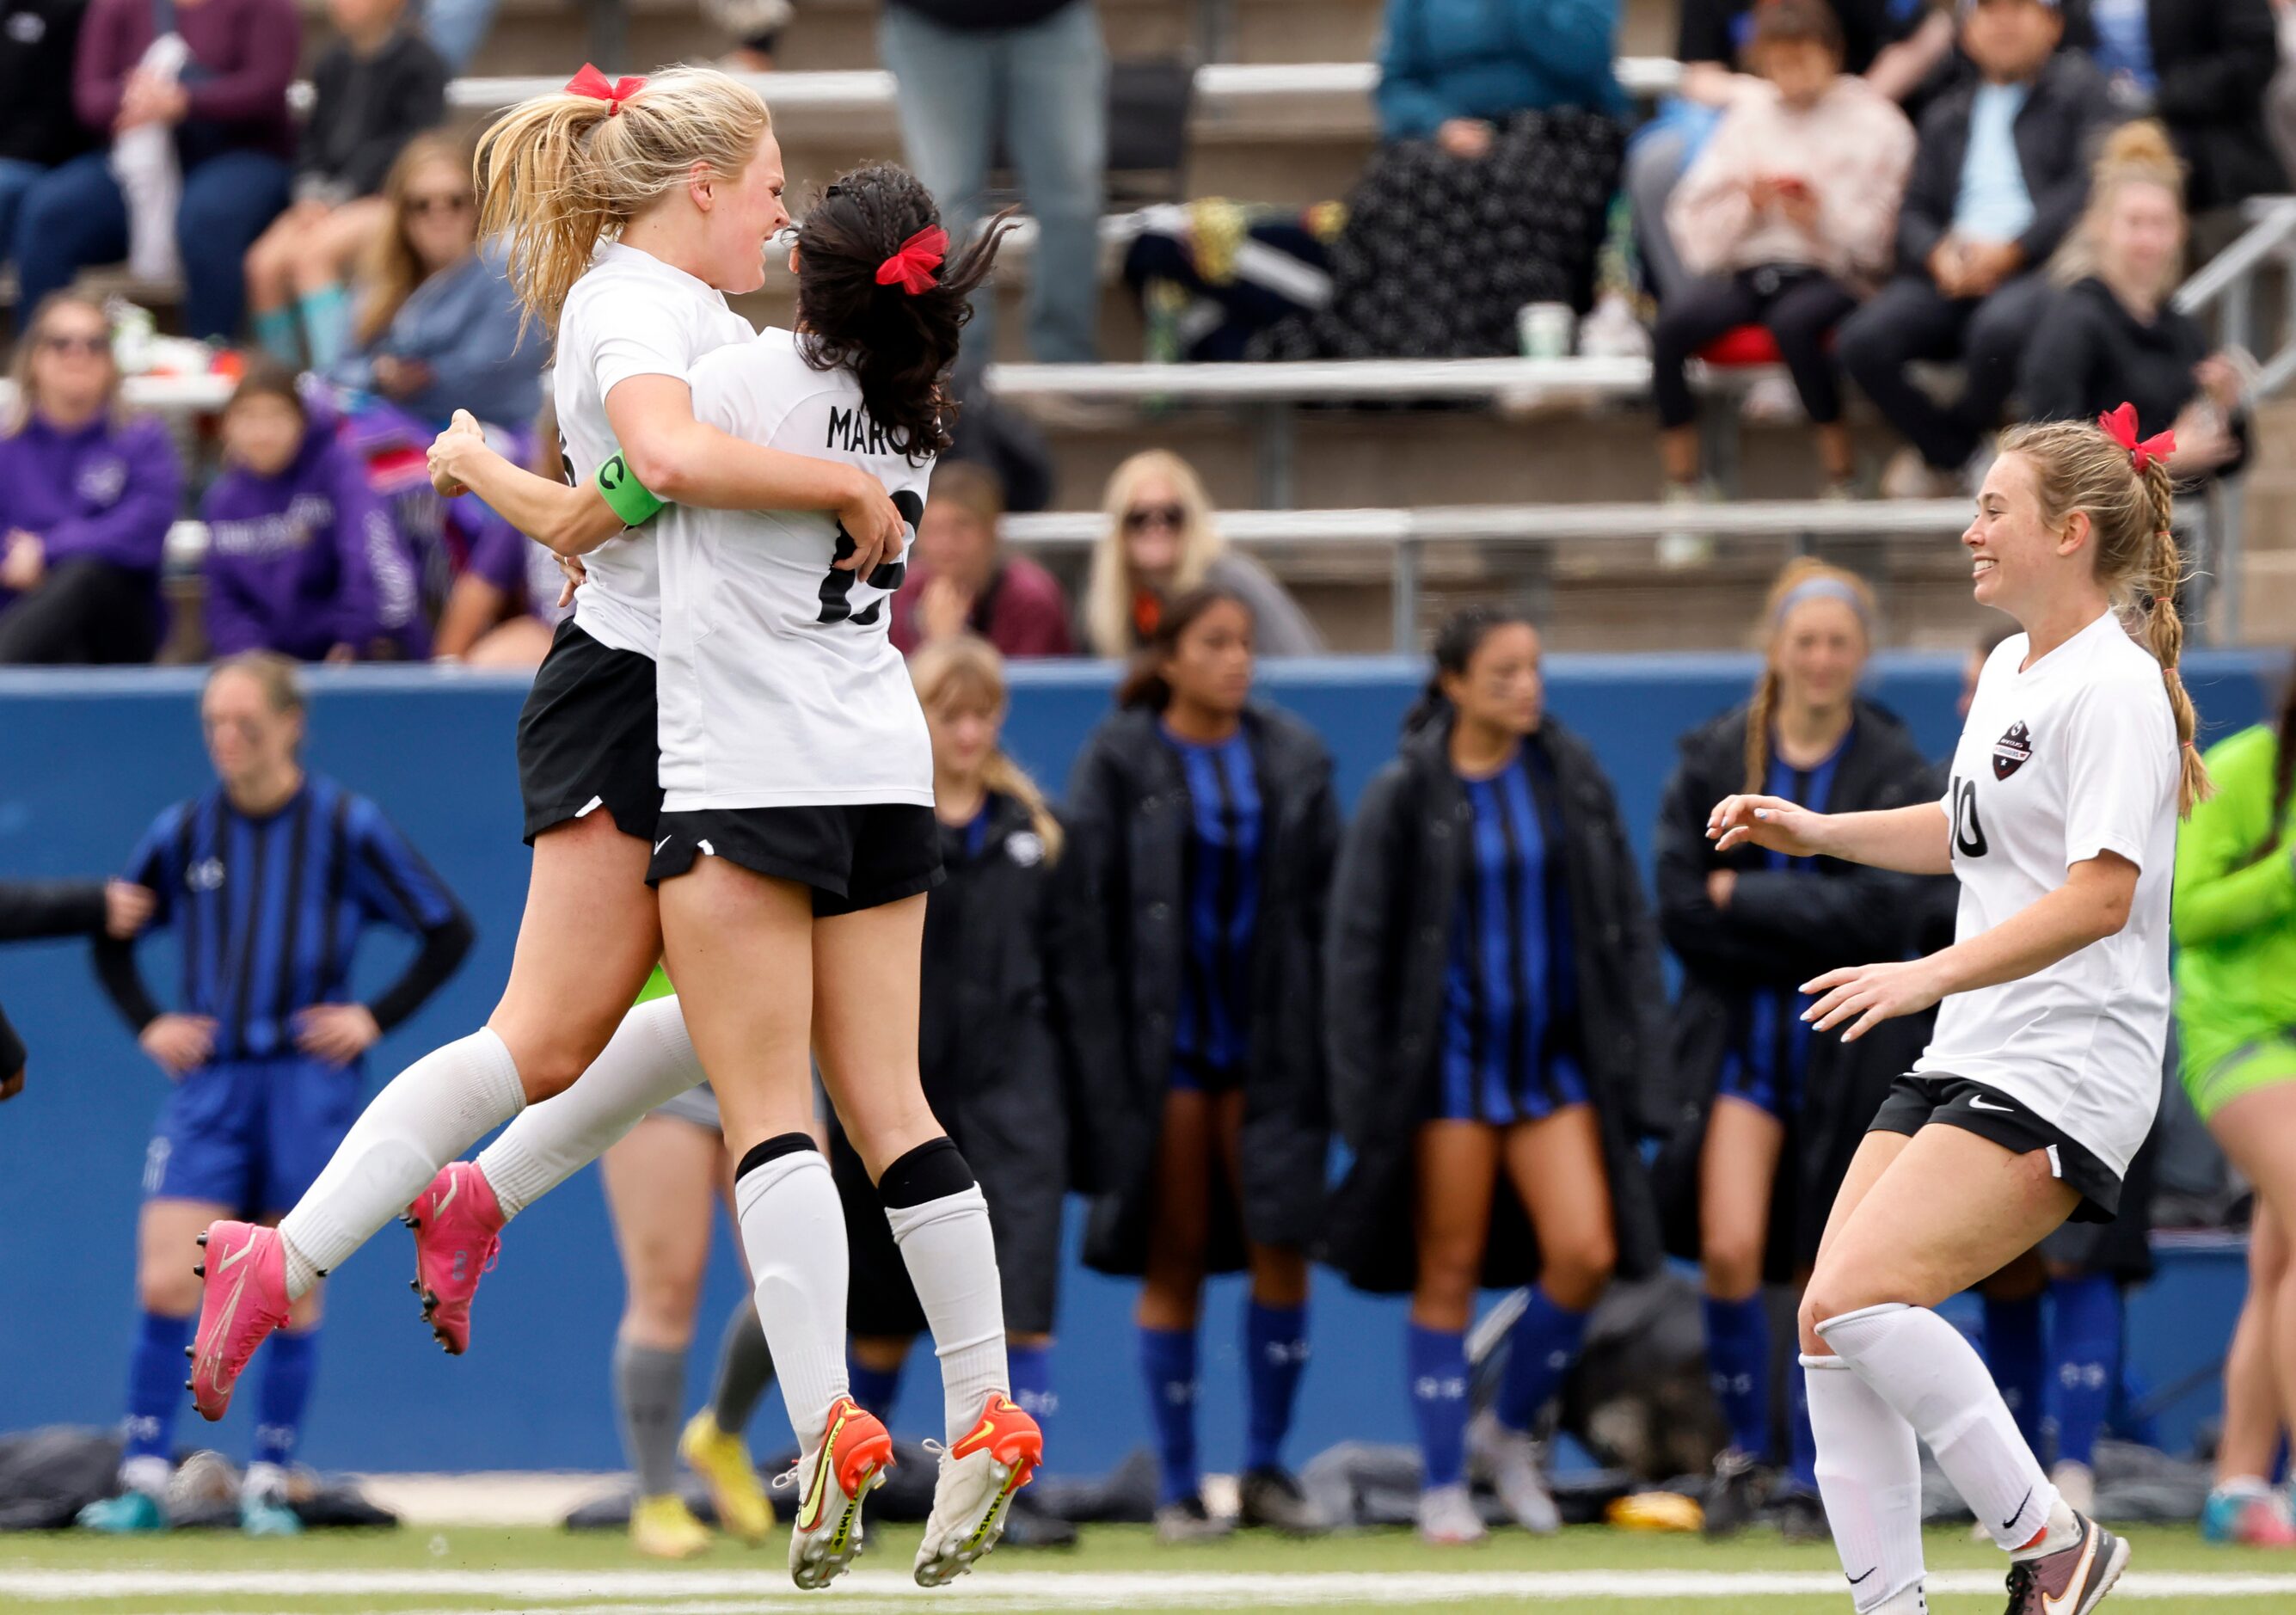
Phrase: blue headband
x=1821 y=588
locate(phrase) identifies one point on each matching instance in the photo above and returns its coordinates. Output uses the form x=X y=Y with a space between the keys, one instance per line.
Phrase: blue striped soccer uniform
x=1509 y=1006
x=1769 y=1050
x=268 y=914
x=1221 y=882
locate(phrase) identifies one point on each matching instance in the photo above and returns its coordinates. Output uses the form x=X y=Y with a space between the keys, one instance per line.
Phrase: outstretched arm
x=1911 y=840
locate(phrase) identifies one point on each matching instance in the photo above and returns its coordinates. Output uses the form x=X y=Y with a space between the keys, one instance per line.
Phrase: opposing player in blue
x=268 y=880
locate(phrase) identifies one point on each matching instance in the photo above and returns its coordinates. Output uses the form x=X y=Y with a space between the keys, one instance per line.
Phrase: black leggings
x=83 y=611
x=1800 y=307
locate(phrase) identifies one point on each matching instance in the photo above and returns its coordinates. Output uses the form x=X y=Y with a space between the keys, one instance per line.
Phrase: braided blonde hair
x=561 y=172
x=2077 y=467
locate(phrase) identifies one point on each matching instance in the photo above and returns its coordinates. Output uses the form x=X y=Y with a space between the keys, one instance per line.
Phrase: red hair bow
x=2120 y=426
x=597 y=86
x=912 y=267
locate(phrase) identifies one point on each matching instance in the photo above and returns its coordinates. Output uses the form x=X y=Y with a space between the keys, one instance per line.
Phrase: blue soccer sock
x=289 y=1361
x=1031 y=1369
x=1541 y=1346
x=278 y=334
x=1437 y=1359
x=1738 y=1360
x=2014 y=1352
x=874 y=1390
x=327 y=322
x=1274 y=1356
x=2085 y=1351
x=155 y=1391
x=1168 y=1366
x=1801 y=1459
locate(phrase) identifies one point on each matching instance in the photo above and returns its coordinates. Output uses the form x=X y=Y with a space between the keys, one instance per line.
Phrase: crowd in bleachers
x=1862 y=190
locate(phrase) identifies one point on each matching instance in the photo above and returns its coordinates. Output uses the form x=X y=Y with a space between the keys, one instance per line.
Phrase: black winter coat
x=2088 y=355
x=1129 y=799
x=2053 y=133
x=2213 y=60
x=1779 y=929
x=40 y=40
x=364 y=109
x=1402 y=868
x=33 y=909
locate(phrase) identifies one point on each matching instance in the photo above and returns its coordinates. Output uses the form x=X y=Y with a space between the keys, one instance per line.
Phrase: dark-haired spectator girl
x=86 y=496
x=1492 y=995
x=1770 y=1114
x=1787 y=218
x=1208 y=827
x=232 y=136
x=2112 y=336
x=2235 y=932
x=302 y=559
x=378 y=87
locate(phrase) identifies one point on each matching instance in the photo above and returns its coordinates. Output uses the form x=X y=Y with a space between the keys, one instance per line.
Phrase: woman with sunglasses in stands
x=87 y=495
x=1160 y=544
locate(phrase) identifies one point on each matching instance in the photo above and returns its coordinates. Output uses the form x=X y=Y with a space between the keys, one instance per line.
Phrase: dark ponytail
x=2284 y=770
x=900 y=345
x=1144 y=684
x=1462 y=635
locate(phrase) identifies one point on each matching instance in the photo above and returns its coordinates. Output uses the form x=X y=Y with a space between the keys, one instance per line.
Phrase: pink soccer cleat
x=243 y=1297
x=457 y=1233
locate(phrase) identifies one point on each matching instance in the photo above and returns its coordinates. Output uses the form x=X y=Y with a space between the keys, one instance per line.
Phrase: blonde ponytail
x=1758 y=712
x=966 y=669
x=562 y=173
x=2077 y=467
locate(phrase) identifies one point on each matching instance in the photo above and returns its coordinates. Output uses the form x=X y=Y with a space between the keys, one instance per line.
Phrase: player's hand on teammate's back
x=876 y=527
x=180 y=1043
x=126 y=909
x=1766 y=821
x=462 y=434
x=576 y=574
x=1873 y=993
x=337 y=1033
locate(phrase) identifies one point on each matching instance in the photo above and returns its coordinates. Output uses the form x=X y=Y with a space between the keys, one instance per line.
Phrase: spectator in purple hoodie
x=86 y=500
x=235 y=141
x=302 y=557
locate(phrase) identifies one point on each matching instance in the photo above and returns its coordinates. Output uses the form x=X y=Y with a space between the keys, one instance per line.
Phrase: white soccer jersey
x=631 y=314
x=2074 y=755
x=779 y=684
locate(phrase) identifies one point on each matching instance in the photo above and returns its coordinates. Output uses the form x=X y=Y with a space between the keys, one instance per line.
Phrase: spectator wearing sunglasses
x=1160 y=544
x=438 y=321
x=376 y=87
x=86 y=496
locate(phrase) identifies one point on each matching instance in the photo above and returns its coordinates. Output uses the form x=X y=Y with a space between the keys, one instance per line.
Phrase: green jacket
x=2235 y=914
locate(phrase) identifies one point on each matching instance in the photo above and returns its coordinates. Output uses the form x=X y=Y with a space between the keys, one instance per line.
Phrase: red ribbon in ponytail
x=597 y=86
x=912 y=267
x=2120 y=426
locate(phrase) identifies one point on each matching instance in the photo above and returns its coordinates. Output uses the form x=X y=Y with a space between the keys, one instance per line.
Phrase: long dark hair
x=1145 y=685
x=898 y=345
x=1462 y=635
x=2284 y=769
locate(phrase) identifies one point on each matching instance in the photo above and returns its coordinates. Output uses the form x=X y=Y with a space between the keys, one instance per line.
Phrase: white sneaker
x=832 y=1480
x=978 y=1475
x=2076 y=1483
x=1447 y=1517
x=1510 y=1462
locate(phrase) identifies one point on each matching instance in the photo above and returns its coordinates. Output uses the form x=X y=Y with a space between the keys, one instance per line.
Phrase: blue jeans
x=74 y=215
x=1047 y=84
x=16 y=177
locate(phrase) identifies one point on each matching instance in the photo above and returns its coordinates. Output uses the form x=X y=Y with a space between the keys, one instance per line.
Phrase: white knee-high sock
x=951 y=1255
x=1869 y=1473
x=1919 y=1364
x=793 y=1229
x=650 y=1061
x=430 y=1113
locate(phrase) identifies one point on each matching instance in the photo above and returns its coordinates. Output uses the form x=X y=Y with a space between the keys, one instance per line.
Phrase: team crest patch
x=2011 y=752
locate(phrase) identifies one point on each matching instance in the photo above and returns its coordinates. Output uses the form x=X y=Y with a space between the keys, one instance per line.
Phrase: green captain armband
x=624 y=494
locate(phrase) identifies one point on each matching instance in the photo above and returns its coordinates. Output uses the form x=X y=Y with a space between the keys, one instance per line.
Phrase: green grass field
x=1588 y=1571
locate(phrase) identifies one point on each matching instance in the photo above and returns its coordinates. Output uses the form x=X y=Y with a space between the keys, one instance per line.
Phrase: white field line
x=699 y=1593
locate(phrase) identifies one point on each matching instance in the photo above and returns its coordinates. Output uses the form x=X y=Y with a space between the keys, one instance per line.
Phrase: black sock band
x=930 y=1171
x=773 y=1149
